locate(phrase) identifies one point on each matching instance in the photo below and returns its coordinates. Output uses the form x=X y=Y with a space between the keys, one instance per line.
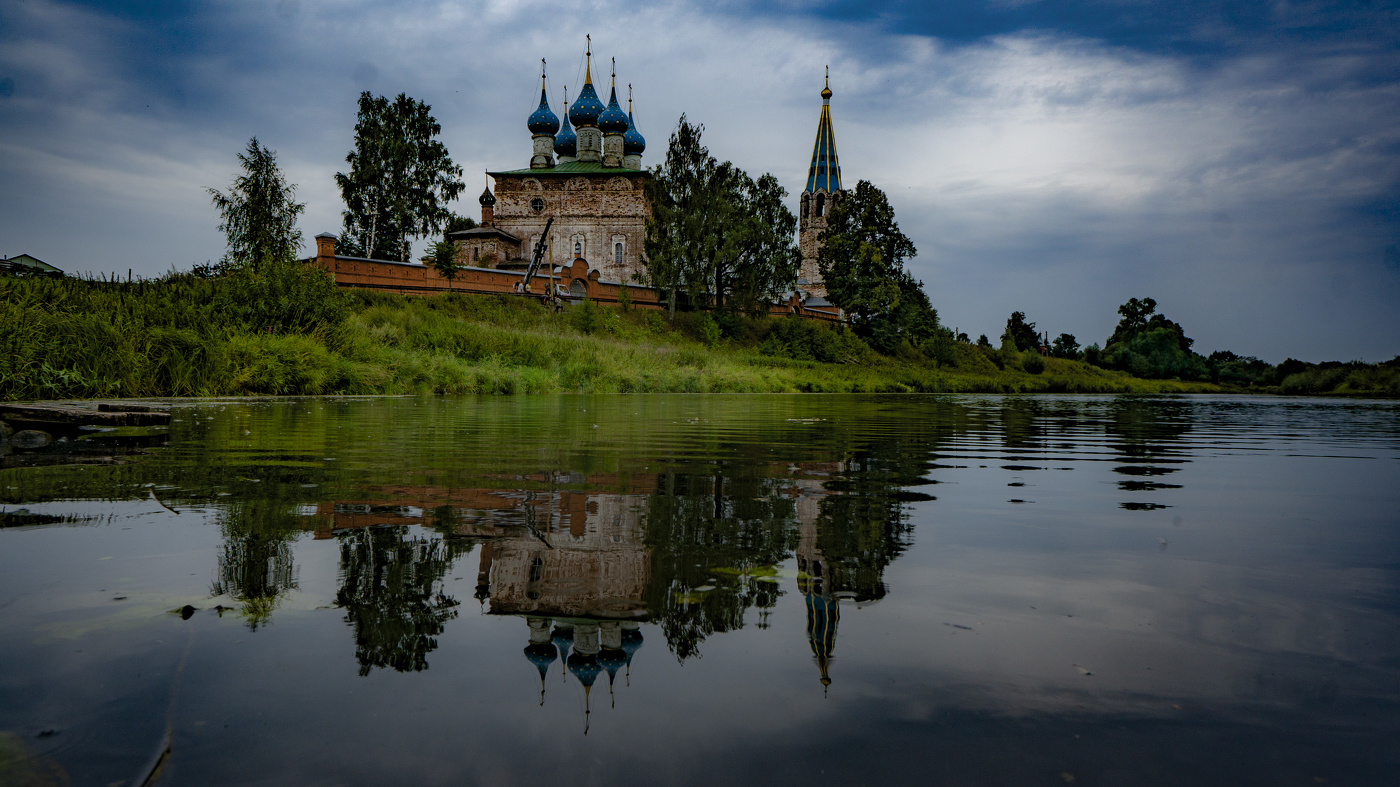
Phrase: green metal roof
x=573 y=168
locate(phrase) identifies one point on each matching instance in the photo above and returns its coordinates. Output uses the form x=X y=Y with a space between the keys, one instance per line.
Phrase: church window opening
x=805 y=206
x=617 y=253
x=578 y=248
x=537 y=204
x=476 y=253
x=821 y=205
x=536 y=569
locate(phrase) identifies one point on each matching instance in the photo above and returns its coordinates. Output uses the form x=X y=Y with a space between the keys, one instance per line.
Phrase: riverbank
x=185 y=336
x=291 y=332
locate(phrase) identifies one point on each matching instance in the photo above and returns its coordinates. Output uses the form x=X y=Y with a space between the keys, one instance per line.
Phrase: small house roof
x=482 y=232
x=30 y=264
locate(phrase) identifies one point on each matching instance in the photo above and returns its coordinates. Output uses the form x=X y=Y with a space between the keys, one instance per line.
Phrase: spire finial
x=588 y=62
x=541 y=72
x=629 y=98
x=614 y=72
x=826 y=86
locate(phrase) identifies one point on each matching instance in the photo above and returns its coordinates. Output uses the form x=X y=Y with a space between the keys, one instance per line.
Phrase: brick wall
x=576 y=281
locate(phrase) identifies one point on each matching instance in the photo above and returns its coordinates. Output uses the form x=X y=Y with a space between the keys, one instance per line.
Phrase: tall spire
x=587 y=106
x=825 y=172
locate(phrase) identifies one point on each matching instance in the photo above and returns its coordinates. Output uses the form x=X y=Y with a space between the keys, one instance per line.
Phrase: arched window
x=617 y=253
x=578 y=248
x=804 y=206
x=821 y=205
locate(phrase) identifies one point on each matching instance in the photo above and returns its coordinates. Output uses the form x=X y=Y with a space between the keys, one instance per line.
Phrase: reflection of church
x=584 y=571
x=583 y=568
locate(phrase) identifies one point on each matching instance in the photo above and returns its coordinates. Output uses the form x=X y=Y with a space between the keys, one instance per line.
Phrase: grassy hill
x=289 y=332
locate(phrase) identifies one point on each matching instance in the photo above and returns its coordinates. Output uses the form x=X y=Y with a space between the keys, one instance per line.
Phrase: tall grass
x=290 y=332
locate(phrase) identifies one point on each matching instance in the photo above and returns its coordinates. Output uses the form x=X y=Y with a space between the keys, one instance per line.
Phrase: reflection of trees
x=713 y=542
x=391 y=588
x=1145 y=427
x=859 y=532
x=256 y=567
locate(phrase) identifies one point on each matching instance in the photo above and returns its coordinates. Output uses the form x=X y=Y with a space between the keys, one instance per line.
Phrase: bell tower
x=821 y=194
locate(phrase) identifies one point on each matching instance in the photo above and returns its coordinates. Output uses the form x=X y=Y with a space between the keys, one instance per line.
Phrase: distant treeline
x=1149 y=346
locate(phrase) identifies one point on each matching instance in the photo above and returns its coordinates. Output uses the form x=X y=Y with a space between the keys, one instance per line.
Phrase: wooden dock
x=37 y=415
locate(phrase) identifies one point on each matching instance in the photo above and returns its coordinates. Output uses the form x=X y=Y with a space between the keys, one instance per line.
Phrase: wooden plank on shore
x=78 y=416
x=110 y=407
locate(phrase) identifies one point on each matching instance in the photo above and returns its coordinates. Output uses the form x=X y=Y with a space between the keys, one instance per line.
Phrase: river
x=696 y=589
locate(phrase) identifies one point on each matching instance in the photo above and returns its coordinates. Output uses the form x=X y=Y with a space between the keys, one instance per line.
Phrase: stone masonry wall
x=596 y=211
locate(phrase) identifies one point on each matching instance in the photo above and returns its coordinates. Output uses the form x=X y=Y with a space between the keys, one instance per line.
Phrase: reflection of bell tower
x=823 y=607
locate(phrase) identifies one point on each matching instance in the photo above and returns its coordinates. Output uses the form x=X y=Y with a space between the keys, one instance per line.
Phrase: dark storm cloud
x=1239 y=164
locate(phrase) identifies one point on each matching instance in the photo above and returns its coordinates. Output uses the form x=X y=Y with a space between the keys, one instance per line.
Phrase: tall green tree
x=1147 y=344
x=1020 y=334
x=400 y=181
x=862 y=264
x=259 y=212
x=1065 y=346
x=684 y=226
x=760 y=258
x=715 y=234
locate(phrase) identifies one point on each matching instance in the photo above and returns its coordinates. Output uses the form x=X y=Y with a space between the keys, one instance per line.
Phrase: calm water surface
x=708 y=590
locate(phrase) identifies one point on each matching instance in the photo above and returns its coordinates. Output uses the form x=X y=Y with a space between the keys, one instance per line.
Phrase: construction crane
x=538 y=258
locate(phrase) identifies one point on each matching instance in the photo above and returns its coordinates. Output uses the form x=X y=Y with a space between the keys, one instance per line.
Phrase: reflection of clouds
x=1153 y=629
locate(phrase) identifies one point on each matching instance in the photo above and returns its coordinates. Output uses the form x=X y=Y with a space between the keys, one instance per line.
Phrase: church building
x=586 y=173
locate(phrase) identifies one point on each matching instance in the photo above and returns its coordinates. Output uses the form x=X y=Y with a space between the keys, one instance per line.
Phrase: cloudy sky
x=1238 y=162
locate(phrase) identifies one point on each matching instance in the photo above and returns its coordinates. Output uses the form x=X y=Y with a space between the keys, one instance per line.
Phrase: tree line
x=1148 y=345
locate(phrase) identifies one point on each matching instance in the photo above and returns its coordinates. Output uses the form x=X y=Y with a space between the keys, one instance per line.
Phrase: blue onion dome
x=631 y=642
x=633 y=143
x=585 y=668
x=566 y=144
x=543 y=120
x=541 y=655
x=613 y=119
x=563 y=638
x=612 y=660
x=587 y=107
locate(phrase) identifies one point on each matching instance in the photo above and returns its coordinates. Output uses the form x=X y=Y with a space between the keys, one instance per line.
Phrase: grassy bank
x=287 y=332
